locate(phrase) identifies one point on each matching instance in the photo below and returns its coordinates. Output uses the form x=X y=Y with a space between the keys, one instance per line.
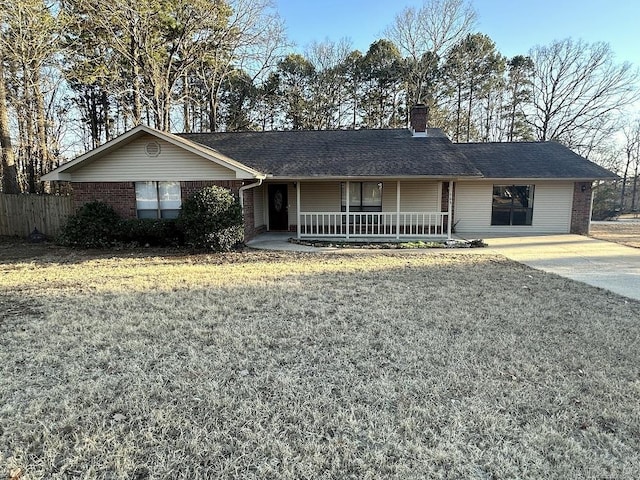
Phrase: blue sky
x=514 y=25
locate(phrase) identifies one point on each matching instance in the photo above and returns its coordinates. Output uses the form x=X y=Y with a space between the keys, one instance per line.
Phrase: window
x=512 y=205
x=363 y=196
x=158 y=199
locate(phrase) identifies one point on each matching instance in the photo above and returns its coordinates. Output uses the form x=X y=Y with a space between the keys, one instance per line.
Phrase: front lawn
x=624 y=232
x=260 y=365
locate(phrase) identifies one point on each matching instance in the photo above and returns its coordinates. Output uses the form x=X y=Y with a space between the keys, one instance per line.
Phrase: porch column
x=346 y=187
x=450 y=210
x=298 y=226
x=398 y=210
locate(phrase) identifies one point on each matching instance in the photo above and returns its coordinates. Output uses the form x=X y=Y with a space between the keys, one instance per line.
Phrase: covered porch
x=368 y=209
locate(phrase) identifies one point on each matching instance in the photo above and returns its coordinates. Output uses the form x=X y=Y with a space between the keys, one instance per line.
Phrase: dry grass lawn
x=257 y=365
x=626 y=233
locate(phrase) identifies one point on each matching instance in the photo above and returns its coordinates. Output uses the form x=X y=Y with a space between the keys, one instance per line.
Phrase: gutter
x=242 y=189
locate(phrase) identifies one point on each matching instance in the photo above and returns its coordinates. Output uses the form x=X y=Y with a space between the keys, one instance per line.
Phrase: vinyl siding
x=131 y=163
x=415 y=196
x=552 y=204
x=320 y=197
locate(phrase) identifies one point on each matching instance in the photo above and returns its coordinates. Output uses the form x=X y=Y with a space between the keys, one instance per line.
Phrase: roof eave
x=350 y=177
x=541 y=179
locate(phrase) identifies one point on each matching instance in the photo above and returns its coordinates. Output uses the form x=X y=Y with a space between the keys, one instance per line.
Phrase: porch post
x=398 y=210
x=346 y=187
x=298 y=226
x=450 y=210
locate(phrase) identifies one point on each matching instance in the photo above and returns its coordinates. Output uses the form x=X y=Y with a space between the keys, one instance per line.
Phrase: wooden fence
x=20 y=214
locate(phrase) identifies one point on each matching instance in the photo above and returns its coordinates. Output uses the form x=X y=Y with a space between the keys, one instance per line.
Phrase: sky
x=514 y=25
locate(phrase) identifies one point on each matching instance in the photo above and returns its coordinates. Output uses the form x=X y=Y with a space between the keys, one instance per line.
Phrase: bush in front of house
x=149 y=232
x=212 y=219
x=94 y=225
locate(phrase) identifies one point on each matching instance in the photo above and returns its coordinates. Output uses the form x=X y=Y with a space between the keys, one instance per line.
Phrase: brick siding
x=581 y=210
x=122 y=197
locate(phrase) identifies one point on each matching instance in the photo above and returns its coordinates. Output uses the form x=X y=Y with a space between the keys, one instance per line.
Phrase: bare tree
x=435 y=27
x=631 y=133
x=424 y=36
x=329 y=83
x=10 y=183
x=29 y=38
x=252 y=41
x=577 y=91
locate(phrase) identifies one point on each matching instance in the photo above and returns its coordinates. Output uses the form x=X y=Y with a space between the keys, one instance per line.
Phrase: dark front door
x=278 y=207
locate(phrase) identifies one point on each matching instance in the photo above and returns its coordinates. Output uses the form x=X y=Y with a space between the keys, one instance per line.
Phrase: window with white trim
x=512 y=205
x=363 y=196
x=158 y=199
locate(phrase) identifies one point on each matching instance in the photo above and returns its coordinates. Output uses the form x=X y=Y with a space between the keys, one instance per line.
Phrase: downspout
x=242 y=189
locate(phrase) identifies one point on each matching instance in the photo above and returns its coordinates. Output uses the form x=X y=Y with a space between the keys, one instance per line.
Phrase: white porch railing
x=372 y=224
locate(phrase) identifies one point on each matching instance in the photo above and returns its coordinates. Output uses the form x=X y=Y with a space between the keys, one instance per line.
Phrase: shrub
x=212 y=218
x=94 y=225
x=152 y=232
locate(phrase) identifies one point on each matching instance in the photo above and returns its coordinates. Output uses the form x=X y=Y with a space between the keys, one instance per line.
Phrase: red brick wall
x=581 y=210
x=249 y=219
x=120 y=195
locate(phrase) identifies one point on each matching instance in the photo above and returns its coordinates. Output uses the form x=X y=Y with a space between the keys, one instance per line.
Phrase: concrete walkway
x=280 y=241
x=595 y=262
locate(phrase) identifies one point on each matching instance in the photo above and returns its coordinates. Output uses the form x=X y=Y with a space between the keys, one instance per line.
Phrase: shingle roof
x=339 y=153
x=395 y=152
x=530 y=160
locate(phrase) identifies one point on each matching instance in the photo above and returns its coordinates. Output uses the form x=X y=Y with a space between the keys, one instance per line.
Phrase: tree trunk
x=458 y=110
x=185 y=102
x=41 y=127
x=105 y=114
x=635 y=185
x=469 y=114
x=135 y=72
x=624 y=181
x=10 y=183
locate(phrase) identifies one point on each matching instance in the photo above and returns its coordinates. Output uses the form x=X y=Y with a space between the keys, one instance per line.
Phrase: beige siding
x=551 y=208
x=259 y=217
x=320 y=196
x=418 y=196
x=131 y=163
x=415 y=196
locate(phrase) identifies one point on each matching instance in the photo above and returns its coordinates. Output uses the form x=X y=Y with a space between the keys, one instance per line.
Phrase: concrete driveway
x=595 y=262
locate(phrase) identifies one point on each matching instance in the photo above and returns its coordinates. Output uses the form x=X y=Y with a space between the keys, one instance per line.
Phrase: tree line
x=76 y=73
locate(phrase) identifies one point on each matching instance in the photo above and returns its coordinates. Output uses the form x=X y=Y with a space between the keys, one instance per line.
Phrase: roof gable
x=125 y=158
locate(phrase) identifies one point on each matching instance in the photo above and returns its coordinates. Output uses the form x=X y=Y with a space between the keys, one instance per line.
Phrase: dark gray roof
x=341 y=153
x=395 y=152
x=531 y=160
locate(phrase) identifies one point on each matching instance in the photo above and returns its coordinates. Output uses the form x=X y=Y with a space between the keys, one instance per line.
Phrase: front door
x=278 y=207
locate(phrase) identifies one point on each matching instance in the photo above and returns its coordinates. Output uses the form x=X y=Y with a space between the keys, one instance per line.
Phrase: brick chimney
x=418 y=120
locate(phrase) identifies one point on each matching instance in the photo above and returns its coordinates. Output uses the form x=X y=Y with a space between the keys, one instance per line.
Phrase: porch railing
x=372 y=224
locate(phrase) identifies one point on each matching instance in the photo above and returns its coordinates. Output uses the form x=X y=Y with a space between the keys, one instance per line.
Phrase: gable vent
x=152 y=149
